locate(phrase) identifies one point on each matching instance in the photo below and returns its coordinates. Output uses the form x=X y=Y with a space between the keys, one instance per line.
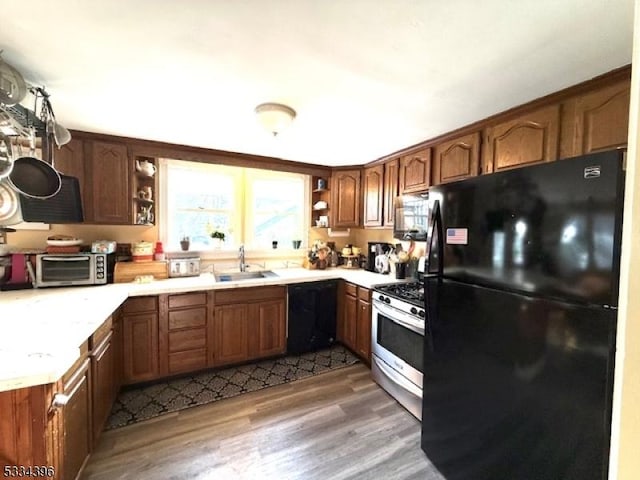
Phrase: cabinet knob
x=59 y=400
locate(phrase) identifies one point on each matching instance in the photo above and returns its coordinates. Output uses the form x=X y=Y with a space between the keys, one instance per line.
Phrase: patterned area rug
x=138 y=404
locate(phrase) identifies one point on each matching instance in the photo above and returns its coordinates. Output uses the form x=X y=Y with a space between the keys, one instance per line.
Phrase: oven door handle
x=396 y=378
x=66 y=259
x=399 y=317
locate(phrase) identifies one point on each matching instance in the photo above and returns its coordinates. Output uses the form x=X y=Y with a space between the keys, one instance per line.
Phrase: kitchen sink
x=238 y=276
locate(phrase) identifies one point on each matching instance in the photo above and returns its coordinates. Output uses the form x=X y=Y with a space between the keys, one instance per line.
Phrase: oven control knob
x=413 y=310
x=381 y=298
x=421 y=313
x=387 y=300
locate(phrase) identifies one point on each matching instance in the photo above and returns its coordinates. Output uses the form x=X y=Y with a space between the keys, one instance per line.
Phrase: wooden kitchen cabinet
x=345 y=198
x=596 y=121
x=103 y=387
x=354 y=319
x=144 y=190
x=140 y=339
x=183 y=332
x=31 y=431
x=363 y=324
x=380 y=188
x=349 y=322
x=527 y=140
x=249 y=324
x=373 y=188
x=320 y=192
x=76 y=426
x=271 y=324
x=415 y=171
x=69 y=160
x=232 y=334
x=390 y=191
x=108 y=168
x=118 y=351
x=456 y=159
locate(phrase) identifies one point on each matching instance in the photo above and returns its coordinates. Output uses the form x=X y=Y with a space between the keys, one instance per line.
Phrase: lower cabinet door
x=77 y=439
x=349 y=326
x=363 y=330
x=140 y=347
x=231 y=334
x=267 y=335
x=102 y=382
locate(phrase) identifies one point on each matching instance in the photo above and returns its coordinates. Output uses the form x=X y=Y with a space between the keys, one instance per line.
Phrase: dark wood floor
x=337 y=425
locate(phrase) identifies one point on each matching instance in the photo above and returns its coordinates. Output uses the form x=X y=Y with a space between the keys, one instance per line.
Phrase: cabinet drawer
x=140 y=304
x=187 y=340
x=187 y=361
x=193 y=317
x=187 y=300
x=363 y=293
x=350 y=289
x=242 y=295
x=101 y=332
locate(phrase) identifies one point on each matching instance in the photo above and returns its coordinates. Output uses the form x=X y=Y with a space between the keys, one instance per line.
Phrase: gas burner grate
x=412 y=292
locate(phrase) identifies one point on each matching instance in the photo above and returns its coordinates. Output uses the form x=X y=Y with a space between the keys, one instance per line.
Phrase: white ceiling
x=367 y=77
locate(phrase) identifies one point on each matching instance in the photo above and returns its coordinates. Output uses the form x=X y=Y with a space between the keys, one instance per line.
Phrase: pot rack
x=16 y=120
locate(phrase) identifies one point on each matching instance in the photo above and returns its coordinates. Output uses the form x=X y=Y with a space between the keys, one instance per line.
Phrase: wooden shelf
x=320 y=190
x=143 y=200
x=144 y=175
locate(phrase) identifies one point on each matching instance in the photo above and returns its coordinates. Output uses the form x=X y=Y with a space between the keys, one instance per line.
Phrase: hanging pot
x=33 y=177
x=6 y=158
x=10 y=209
x=13 y=88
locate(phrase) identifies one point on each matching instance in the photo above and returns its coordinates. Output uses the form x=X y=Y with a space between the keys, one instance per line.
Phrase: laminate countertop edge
x=41 y=330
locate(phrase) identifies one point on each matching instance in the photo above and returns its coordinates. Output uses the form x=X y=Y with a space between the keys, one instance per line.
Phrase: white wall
x=625 y=438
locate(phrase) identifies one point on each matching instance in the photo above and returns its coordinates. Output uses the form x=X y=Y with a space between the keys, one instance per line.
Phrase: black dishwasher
x=312 y=316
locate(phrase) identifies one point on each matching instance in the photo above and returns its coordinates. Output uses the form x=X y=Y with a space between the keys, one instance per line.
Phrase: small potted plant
x=218 y=237
x=184 y=243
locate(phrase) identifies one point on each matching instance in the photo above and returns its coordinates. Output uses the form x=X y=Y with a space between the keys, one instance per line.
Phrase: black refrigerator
x=521 y=292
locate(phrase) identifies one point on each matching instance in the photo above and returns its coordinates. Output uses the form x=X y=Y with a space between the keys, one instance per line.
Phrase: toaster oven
x=85 y=268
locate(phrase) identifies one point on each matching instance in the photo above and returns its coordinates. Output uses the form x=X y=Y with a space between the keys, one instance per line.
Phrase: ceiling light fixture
x=275 y=117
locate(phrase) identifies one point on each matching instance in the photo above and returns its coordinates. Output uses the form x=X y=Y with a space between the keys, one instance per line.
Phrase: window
x=252 y=207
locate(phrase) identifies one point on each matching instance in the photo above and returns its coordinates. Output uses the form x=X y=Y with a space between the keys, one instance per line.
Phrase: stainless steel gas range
x=397 y=334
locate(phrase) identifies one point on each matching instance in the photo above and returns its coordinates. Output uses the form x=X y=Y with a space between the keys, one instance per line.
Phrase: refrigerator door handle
x=431 y=309
x=435 y=251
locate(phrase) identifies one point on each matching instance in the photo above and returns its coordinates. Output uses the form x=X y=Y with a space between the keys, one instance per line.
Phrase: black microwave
x=411 y=221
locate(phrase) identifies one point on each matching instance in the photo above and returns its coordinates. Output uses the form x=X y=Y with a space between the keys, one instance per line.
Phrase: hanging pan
x=33 y=177
x=6 y=158
x=12 y=86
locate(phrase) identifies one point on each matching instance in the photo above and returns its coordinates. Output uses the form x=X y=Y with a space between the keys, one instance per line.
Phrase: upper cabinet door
x=526 y=140
x=373 y=186
x=109 y=167
x=415 y=171
x=346 y=198
x=600 y=120
x=457 y=159
x=390 y=191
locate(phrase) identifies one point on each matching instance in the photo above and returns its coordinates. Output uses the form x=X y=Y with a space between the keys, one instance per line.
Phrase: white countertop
x=41 y=330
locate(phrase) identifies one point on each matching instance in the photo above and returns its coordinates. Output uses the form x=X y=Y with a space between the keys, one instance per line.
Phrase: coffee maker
x=375 y=249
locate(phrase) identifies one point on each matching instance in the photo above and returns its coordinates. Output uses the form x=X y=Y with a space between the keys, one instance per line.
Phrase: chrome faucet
x=241 y=257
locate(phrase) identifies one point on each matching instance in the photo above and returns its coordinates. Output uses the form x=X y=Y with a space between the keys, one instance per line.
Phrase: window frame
x=244 y=200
